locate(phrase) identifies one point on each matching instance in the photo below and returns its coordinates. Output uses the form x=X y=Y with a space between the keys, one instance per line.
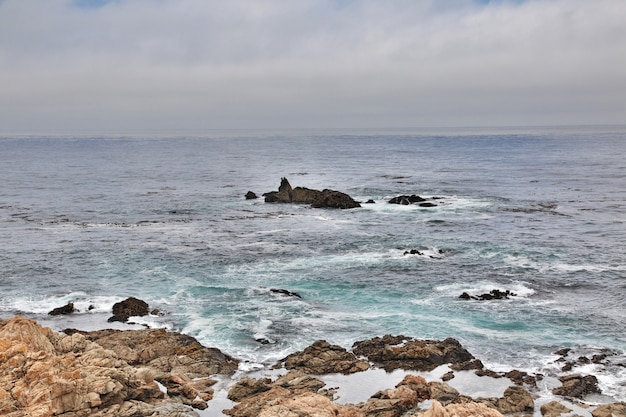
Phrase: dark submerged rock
x=285 y=292
x=64 y=310
x=491 y=295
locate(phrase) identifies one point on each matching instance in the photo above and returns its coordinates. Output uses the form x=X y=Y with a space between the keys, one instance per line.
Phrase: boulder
x=129 y=307
x=317 y=199
x=610 y=410
x=554 y=409
x=64 y=310
x=577 y=386
x=515 y=400
x=323 y=358
x=251 y=196
x=247 y=387
x=401 y=352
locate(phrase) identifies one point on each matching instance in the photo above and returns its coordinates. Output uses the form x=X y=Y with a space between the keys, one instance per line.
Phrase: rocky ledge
x=153 y=372
x=104 y=373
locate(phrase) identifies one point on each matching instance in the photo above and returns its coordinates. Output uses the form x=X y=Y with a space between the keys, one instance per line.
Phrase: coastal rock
x=42 y=378
x=129 y=307
x=577 y=386
x=317 y=199
x=405 y=200
x=285 y=292
x=247 y=387
x=515 y=400
x=323 y=358
x=555 y=409
x=280 y=402
x=460 y=410
x=64 y=310
x=401 y=352
x=610 y=410
x=297 y=382
x=251 y=196
x=491 y=295
x=443 y=392
x=104 y=373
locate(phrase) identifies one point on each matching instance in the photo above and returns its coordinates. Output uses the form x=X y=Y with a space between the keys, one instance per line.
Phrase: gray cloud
x=310 y=63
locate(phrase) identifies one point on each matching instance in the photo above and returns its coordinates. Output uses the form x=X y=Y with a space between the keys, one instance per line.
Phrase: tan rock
x=554 y=409
x=460 y=410
x=610 y=410
x=323 y=358
x=43 y=373
x=515 y=400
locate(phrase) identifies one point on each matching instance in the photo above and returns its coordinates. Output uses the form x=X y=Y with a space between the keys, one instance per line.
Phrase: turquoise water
x=93 y=219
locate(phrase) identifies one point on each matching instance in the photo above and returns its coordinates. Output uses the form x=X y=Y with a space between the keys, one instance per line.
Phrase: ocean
x=541 y=212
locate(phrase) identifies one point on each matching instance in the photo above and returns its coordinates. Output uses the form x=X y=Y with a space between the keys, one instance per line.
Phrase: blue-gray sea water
x=93 y=219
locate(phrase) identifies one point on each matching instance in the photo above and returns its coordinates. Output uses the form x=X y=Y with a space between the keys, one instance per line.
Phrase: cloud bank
x=205 y=64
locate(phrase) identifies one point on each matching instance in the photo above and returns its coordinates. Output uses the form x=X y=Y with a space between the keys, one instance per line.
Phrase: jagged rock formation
x=317 y=199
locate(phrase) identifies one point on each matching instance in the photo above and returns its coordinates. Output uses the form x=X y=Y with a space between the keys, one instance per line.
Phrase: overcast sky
x=209 y=64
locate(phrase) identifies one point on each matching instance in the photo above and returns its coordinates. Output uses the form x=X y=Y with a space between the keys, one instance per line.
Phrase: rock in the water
x=66 y=309
x=491 y=295
x=405 y=200
x=323 y=358
x=577 y=386
x=401 y=352
x=317 y=199
x=129 y=307
x=285 y=292
x=250 y=195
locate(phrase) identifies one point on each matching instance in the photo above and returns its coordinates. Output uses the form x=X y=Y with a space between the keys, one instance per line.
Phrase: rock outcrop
x=323 y=358
x=317 y=199
x=577 y=386
x=78 y=374
x=401 y=352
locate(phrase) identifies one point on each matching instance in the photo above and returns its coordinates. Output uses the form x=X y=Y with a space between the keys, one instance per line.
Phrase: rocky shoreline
x=154 y=372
